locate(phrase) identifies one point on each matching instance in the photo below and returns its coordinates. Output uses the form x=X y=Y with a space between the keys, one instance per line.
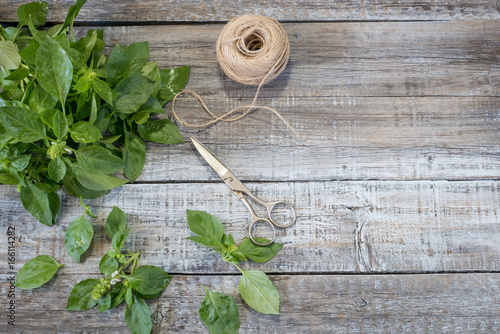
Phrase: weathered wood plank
x=347 y=227
x=451 y=303
x=287 y=10
x=342 y=59
x=345 y=138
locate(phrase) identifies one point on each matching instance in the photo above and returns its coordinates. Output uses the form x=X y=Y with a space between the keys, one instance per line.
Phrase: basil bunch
x=71 y=117
x=143 y=282
x=218 y=311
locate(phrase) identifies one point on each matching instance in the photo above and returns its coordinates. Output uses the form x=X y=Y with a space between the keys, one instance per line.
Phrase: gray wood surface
x=287 y=10
x=396 y=184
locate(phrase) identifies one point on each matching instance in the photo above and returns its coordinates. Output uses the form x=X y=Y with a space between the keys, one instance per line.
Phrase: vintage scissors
x=240 y=190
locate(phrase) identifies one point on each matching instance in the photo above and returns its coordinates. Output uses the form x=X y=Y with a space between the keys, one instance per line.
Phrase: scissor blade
x=210 y=158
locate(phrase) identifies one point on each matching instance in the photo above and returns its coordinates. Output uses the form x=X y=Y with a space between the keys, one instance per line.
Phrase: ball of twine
x=253 y=49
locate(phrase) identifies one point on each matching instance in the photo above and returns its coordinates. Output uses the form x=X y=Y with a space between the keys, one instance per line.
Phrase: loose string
x=252 y=50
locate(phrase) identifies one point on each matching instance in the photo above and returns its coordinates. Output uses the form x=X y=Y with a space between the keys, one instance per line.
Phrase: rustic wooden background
x=397 y=184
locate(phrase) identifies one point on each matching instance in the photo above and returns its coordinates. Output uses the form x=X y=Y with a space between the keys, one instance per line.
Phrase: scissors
x=240 y=190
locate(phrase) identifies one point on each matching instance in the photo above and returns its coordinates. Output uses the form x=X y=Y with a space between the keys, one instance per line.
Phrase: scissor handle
x=259 y=220
x=272 y=205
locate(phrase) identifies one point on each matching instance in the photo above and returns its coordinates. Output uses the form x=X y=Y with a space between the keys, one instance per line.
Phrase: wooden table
x=397 y=184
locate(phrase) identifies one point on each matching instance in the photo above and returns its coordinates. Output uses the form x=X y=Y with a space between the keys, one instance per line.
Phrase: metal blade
x=210 y=158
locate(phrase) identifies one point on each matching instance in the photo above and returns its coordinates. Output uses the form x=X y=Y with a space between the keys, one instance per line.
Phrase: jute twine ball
x=253 y=49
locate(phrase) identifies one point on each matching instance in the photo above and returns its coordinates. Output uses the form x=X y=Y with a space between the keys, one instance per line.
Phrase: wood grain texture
x=286 y=10
x=347 y=227
x=450 y=303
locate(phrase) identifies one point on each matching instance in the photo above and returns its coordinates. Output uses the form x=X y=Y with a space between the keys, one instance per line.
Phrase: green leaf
x=152 y=106
x=77 y=58
x=57 y=169
x=60 y=124
x=207 y=242
x=37 y=11
x=84 y=132
x=55 y=204
x=98 y=160
x=117 y=295
x=18 y=74
x=135 y=153
x=219 y=313
x=108 y=265
x=54 y=71
x=72 y=13
x=36 y=272
x=80 y=298
x=129 y=297
x=28 y=54
x=172 y=82
x=138 y=317
x=99 y=182
x=104 y=91
x=37 y=203
x=119 y=239
x=104 y=302
x=161 y=131
x=123 y=61
x=259 y=292
x=6 y=178
x=10 y=59
x=134 y=91
x=259 y=254
x=76 y=189
x=23 y=124
x=149 y=280
x=205 y=225
x=20 y=163
x=78 y=237
x=40 y=100
x=117 y=220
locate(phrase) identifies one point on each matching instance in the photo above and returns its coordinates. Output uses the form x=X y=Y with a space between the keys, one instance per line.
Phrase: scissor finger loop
x=272 y=205
x=261 y=220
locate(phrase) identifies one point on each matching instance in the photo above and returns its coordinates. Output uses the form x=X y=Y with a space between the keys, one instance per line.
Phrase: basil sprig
x=133 y=287
x=71 y=117
x=255 y=287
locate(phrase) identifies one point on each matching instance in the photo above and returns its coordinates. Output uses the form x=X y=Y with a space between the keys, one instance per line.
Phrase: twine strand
x=251 y=50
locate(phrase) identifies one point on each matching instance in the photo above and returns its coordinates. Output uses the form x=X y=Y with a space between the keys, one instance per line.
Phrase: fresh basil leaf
x=83 y=84
x=205 y=225
x=172 y=82
x=110 y=139
x=72 y=13
x=134 y=91
x=123 y=61
x=219 y=313
x=117 y=295
x=40 y=100
x=138 y=317
x=152 y=106
x=76 y=189
x=129 y=297
x=77 y=58
x=57 y=169
x=140 y=117
x=93 y=110
x=39 y=36
x=36 y=11
x=135 y=153
x=23 y=124
x=84 y=132
x=28 y=54
x=119 y=239
x=78 y=237
x=18 y=74
x=259 y=292
x=103 y=89
x=47 y=116
x=161 y=131
x=149 y=297
x=5 y=136
x=36 y=272
x=54 y=71
x=8 y=179
x=116 y=221
x=137 y=55
x=55 y=204
x=99 y=182
x=98 y=160
x=207 y=242
x=259 y=254
x=20 y=163
x=104 y=302
x=108 y=265
x=37 y=203
x=149 y=280
x=60 y=124
x=80 y=298
x=10 y=59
